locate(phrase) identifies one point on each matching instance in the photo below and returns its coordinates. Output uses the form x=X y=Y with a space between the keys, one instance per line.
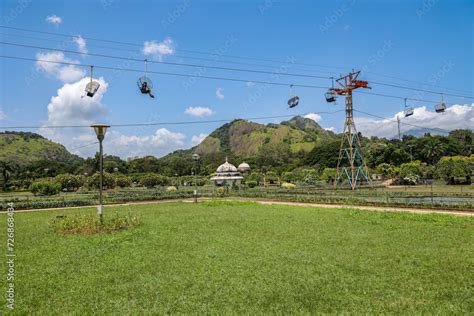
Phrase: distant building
x=243 y=167
x=227 y=175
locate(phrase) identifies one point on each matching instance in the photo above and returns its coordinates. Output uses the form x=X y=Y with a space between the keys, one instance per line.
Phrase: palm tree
x=433 y=150
x=7 y=168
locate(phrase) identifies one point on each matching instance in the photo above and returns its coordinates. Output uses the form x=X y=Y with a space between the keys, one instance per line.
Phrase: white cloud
x=250 y=83
x=65 y=73
x=313 y=116
x=456 y=117
x=3 y=116
x=197 y=139
x=81 y=43
x=159 y=49
x=331 y=129
x=54 y=19
x=199 y=111
x=69 y=107
x=162 y=142
x=220 y=94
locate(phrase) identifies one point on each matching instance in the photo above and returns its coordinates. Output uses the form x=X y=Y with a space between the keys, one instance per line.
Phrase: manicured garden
x=235 y=257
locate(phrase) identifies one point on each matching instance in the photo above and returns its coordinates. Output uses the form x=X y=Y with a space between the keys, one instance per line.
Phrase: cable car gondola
x=294 y=100
x=408 y=110
x=92 y=86
x=330 y=96
x=441 y=107
x=145 y=84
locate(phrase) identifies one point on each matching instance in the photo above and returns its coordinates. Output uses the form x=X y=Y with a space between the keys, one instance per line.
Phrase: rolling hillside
x=24 y=148
x=243 y=139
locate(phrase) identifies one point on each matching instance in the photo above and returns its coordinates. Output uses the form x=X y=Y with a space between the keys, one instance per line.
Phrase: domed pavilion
x=227 y=175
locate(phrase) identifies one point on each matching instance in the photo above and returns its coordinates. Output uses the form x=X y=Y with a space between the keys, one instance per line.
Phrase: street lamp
x=100 y=130
x=195 y=172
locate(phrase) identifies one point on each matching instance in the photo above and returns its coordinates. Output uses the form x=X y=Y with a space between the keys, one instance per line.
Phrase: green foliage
x=256 y=177
x=171 y=189
x=288 y=177
x=388 y=170
x=93 y=182
x=251 y=184
x=123 y=181
x=311 y=177
x=411 y=172
x=458 y=166
x=329 y=175
x=70 y=182
x=287 y=185
x=45 y=187
x=151 y=180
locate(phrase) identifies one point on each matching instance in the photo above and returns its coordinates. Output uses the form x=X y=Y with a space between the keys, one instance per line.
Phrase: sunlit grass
x=234 y=257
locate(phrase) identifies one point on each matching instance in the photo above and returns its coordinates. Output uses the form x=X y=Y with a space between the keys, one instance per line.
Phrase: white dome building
x=243 y=167
x=227 y=175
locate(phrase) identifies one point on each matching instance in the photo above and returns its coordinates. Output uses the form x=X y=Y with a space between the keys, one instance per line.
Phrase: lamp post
x=196 y=166
x=100 y=130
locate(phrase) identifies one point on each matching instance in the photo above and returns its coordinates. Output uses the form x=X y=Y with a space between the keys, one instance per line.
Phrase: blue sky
x=425 y=41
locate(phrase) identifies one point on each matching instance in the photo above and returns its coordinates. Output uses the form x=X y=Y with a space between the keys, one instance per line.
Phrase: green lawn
x=232 y=257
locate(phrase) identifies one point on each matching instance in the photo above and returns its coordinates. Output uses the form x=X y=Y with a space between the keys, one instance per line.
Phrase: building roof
x=244 y=167
x=226 y=167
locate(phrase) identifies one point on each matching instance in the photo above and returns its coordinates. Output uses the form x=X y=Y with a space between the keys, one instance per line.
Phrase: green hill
x=244 y=139
x=24 y=148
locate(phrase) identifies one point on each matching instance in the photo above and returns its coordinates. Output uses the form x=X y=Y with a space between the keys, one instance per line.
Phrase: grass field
x=234 y=257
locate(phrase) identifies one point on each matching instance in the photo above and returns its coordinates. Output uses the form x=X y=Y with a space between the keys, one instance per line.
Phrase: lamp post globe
x=100 y=130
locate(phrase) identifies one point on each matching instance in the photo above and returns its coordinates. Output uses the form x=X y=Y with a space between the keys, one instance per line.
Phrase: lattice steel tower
x=351 y=166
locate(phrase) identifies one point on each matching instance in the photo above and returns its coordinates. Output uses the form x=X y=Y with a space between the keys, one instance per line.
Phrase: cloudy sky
x=431 y=50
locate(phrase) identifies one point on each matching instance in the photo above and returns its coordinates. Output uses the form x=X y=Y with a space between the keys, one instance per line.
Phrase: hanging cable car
x=145 y=84
x=294 y=100
x=408 y=110
x=92 y=86
x=441 y=107
x=331 y=94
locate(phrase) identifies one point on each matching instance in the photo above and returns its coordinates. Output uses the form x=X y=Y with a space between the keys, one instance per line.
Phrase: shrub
x=329 y=175
x=411 y=172
x=288 y=177
x=45 y=187
x=90 y=224
x=311 y=177
x=70 y=182
x=251 y=184
x=123 y=181
x=255 y=176
x=220 y=191
x=171 y=189
x=151 y=180
x=93 y=182
x=287 y=185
